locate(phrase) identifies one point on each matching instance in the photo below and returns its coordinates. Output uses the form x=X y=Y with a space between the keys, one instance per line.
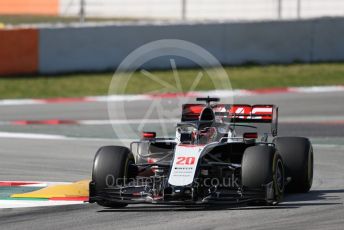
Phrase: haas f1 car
x=207 y=162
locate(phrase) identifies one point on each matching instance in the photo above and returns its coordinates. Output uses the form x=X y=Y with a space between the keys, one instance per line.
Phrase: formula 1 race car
x=207 y=162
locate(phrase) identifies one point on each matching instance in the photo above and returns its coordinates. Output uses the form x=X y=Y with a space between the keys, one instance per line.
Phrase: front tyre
x=261 y=166
x=111 y=165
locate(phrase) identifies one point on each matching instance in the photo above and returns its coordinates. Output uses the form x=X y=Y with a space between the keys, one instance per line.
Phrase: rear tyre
x=111 y=165
x=297 y=154
x=262 y=165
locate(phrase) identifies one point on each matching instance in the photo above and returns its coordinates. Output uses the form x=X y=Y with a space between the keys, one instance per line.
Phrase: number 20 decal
x=185 y=160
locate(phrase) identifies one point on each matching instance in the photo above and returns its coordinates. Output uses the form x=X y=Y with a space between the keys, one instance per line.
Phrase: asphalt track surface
x=71 y=160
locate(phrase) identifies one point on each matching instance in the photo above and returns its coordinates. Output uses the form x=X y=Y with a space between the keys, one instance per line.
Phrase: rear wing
x=235 y=113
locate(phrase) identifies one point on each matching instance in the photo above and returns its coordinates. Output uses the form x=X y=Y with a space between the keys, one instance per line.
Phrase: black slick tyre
x=262 y=165
x=297 y=154
x=111 y=165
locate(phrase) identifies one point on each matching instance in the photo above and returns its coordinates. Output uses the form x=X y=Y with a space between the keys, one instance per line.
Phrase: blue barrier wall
x=103 y=47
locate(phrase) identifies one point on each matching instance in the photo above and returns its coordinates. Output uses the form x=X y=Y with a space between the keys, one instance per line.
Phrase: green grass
x=244 y=77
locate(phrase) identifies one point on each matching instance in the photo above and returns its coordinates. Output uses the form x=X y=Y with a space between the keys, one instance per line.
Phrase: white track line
x=18 y=102
x=34 y=136
x=317 y=89
x=35 y=183
x=214 y=93
x=8 y=204
x=31 y=136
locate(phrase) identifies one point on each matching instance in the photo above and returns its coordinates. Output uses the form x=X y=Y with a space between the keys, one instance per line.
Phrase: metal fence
x=182 y=9
x=205 y=9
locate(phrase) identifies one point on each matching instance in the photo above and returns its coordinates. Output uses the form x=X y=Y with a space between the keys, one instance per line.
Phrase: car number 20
x=185 y=160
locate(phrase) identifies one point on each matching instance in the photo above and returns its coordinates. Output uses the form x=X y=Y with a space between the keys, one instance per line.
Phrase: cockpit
x=199 y=125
